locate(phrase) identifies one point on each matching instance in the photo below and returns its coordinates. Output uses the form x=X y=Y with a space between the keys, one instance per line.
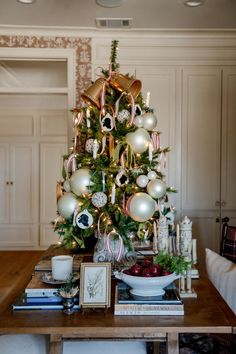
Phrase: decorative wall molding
x=82 y=47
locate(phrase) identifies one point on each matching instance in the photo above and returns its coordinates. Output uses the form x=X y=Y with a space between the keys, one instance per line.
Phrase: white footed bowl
x=145 y=286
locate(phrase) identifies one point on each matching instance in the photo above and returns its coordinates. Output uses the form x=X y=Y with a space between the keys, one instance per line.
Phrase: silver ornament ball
x=99 y=199
x=152 y=175
x=66 y=205
x=141 y=207
x=80 y=181
x=149 y=121
x=142 y=181
x=89 y=145
x=138 y=140
x=156 y=188
x=138 y=121
x=123 y=115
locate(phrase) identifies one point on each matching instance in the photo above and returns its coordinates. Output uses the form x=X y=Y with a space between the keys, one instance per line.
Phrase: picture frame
x=95 y=285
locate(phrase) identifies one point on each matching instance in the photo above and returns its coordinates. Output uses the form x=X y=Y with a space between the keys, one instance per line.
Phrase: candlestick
x=148 y=99
x=177 y=239
x=113 y=194
x=194 y=251
x=155 y=237
x=103 y=182
x=150 y=150
x=95 y=148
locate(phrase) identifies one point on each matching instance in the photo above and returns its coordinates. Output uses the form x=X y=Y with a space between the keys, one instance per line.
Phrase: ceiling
x=146 y=14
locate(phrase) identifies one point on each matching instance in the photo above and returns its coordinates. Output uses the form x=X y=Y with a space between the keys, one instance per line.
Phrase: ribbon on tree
x=117 y=254
x=155 y=141
x=71 y=163
x=117 y=104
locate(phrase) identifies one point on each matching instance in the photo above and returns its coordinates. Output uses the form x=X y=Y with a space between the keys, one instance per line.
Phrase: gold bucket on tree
x=93 y=93
x=123 y=83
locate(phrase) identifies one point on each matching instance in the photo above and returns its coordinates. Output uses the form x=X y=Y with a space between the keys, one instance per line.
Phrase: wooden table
x=206 y=314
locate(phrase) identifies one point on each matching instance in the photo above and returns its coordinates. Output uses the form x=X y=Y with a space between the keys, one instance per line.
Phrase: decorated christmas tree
x=113 y=178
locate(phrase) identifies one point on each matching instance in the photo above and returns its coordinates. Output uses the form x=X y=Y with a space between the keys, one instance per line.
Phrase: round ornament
x=138 y=121
x=142 y=181
x=66 y=186
x=107 y=123
x=141 y=207
x=99 y=199
x=156 y=188
x=152 y=175
x=84 y=219
x=138 y=140
x=123 y=115
x=89 y=145
x=80 y=181
x=121 y=178
x=149 y=121
x=66 y=205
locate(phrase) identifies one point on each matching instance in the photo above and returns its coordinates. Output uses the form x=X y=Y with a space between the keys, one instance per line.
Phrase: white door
x=201 y=153
x=23 y=183
x=4 y=183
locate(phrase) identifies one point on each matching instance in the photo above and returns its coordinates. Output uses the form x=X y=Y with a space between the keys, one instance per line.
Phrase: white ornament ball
x=152 y=175
x=142 y=181
x=138 y=140
x=156 y=188
x=66 y=205
x=89 y=145
x=99 y=199
x=66 y=186
x=84 y=219
x=80 y=181
x=123 y=116
x=149 y=121
x=141 y=207
x=138 y=121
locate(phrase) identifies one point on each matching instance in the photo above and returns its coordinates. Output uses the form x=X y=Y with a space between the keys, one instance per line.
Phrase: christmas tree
x=113 y=182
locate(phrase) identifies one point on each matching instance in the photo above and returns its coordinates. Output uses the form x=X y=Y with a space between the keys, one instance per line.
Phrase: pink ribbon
x=71 y=162
x=121 y=246
x=122 y=160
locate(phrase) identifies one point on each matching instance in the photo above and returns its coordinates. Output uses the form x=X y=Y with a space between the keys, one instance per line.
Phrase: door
x=201 y=154
x=228 y=175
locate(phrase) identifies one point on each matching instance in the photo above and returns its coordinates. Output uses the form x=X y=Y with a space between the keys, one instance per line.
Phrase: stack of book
x=127 y=304
x=40 y=296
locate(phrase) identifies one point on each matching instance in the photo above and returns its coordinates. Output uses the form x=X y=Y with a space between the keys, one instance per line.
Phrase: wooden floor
x=14 y=263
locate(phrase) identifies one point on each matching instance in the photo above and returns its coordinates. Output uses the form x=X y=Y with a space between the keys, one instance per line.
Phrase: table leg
x=56 y=344
x=172 y=343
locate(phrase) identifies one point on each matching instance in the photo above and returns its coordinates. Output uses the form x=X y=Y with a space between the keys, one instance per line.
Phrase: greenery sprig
x=177 y=264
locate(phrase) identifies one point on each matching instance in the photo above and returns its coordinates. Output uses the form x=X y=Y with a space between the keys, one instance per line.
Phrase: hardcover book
x=128 y=304
x=38 y=288
x=22 y=304
x=171 y=296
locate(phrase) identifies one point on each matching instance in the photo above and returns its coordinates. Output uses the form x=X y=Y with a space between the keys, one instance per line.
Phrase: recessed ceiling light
x=26 y=1
x=110 y=3
x=193 y=3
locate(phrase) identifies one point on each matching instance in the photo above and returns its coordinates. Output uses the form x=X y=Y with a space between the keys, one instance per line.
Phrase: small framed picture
x=95 y=285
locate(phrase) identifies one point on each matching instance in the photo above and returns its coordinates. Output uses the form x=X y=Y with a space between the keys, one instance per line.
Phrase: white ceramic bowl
x=145 y=286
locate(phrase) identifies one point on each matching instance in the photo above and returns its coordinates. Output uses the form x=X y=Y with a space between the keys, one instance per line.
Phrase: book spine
x=153 y=312
x=149 y=307
x=38 y=292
